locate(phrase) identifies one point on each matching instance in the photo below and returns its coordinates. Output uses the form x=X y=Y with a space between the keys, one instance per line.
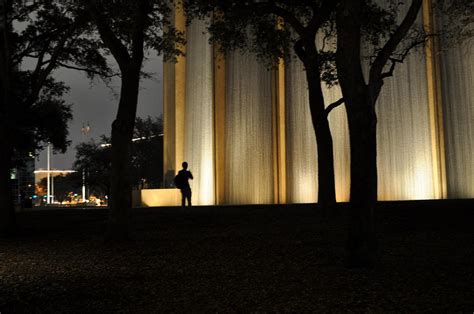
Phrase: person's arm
x=191 y=175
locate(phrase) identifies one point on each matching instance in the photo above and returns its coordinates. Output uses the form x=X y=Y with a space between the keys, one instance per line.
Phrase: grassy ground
x=239 y=259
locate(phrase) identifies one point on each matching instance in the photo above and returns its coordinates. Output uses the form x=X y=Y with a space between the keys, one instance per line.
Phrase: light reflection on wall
x=198 y=141
x=301 y=167
x=248 y=131
x=404 y=151
x=457 y=68
x=422 y=182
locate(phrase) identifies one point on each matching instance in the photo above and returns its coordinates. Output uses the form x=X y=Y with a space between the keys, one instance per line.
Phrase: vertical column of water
x=301 y=157
x=248 y=131
x=199 y=113
x=404 y=151
x=457 y=80
x=404 y=142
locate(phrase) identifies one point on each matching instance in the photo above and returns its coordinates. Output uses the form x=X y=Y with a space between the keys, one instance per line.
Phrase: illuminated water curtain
x=247 y=134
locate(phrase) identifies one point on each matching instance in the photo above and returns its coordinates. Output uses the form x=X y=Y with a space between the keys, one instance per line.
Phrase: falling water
x=457 y=72
x=248 y=131
x=404 y=151
x=404 y=148
x=301 y=167
x=199 y=113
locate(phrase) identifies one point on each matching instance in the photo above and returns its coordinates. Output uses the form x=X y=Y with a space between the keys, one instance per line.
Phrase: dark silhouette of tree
x=455 y=19
x=147 y=153
x=64 y=185
x=94 y=159
x=32 y=111
x=360 y=24
x=128 y=29
x=7 y=214
x=253 y=26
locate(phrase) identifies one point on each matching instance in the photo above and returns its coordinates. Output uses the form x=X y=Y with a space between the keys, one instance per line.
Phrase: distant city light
x=54 y=171
x=133 y=140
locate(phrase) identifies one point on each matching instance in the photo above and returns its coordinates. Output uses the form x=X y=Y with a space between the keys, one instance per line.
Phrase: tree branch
x=390 y=71
x=40 y=75
x=395 y=39
x=116 y=47
x=333 y=106
x=289 y=18
x=299 y=49
x=143 y=8
x=328 y=109
x=87 y=70
x=321 y=16
x=27 y=10
x=402 y=58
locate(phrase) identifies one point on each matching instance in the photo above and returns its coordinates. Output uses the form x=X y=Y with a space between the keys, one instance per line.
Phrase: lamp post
x=48 y=180
x=84 y=130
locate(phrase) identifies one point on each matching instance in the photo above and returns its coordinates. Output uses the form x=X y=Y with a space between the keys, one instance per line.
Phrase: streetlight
x=84 y=130
x=48 y=181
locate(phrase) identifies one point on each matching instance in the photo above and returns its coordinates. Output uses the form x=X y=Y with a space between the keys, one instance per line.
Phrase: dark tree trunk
x=122 y=133
x=361 y=247
x=361 y=242
x=326 y=184
x=308 y=54
x=130 y=63
x=7 y=210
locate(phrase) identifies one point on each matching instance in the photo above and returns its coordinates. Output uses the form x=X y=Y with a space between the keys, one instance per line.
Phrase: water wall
x=248 y=131
x=199 y=123
x=404 y=146
x=457 y=86
x=405 y=164
x=301 y=166
x=410 y=162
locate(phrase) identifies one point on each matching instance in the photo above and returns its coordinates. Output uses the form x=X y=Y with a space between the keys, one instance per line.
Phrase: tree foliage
x=94 y=158
x=147 y=153
x=455 y=20
x=119 y=22
x=46 y=35
x=65 y=186
x=36 y=38
x=45 y=120
x=93 y=162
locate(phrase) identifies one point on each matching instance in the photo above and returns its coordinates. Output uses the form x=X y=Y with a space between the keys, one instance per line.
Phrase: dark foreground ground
x=239 y=259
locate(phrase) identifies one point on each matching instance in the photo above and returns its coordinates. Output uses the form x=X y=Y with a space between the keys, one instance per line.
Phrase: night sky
x=96 y=104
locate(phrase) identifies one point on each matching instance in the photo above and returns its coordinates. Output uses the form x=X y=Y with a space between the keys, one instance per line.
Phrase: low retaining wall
x=156 y=197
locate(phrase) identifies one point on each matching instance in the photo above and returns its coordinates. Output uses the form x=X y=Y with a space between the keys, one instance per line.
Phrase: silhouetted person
x=182 y=183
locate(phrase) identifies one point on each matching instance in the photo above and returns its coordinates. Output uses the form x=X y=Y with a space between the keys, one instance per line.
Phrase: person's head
x=185 y=165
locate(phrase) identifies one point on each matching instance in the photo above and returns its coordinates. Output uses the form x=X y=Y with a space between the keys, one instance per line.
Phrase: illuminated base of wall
x=157 y=197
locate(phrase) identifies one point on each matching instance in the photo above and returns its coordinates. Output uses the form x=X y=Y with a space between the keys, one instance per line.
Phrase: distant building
x=23 y=183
